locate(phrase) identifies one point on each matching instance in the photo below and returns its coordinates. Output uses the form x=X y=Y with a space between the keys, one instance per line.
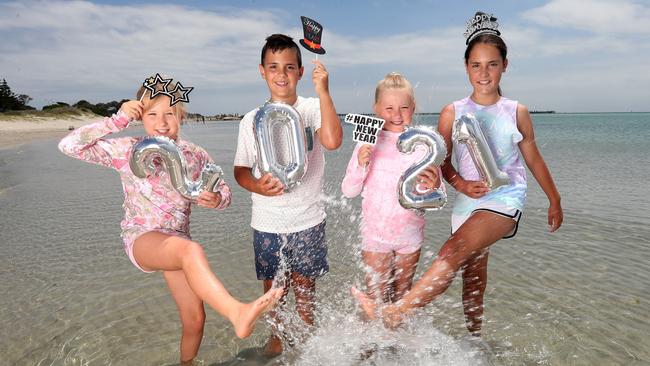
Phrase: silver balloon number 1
x=146 y=150
x=270 y=116
x=467 y=130
x=407 y=191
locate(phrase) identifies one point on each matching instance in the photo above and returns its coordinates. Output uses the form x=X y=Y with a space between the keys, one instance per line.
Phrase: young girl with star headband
x=155 y=228
x=480 y=216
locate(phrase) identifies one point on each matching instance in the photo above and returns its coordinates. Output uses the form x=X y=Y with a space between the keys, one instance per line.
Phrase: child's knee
x=193 y=322
x=192 y=250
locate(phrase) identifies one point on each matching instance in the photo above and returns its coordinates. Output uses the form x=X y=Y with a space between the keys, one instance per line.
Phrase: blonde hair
x=179 y=108
x=393 y=81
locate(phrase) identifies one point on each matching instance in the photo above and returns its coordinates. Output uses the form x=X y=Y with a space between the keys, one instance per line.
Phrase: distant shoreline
x=19 y=129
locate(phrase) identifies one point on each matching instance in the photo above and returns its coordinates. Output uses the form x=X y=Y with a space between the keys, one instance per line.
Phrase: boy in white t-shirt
x=297 y=218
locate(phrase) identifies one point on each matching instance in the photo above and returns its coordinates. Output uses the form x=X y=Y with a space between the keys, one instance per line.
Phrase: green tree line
x=9 y=101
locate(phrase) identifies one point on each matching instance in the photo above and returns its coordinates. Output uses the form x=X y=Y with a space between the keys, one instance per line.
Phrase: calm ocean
x=580 y=296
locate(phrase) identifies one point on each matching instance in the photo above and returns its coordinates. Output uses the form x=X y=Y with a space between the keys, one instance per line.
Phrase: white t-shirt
x=302 y=208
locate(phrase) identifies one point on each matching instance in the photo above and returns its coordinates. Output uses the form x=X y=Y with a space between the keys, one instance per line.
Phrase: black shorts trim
x=516 y=216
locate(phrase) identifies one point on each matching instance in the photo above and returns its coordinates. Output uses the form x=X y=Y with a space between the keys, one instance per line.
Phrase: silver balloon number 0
x=467 y=130
x=407 y=190
x=270 y=116
x=146 y=150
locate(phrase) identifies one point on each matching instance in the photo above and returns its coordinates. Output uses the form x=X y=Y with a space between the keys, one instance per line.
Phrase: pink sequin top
x=150 y=204
x=385 y=225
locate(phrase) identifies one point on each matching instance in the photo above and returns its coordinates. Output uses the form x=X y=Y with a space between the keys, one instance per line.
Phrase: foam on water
x=346 y=340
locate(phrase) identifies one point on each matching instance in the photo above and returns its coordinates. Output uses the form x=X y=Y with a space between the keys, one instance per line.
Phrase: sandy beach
x=15 y=131
x=18 y=130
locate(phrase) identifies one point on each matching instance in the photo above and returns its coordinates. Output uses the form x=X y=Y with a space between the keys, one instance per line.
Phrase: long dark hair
x=492 y=39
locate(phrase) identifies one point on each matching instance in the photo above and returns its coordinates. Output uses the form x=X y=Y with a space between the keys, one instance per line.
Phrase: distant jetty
x=217 y=117
x=542 y=112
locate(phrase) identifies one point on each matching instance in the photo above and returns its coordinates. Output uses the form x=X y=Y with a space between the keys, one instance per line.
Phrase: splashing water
x=341 y=337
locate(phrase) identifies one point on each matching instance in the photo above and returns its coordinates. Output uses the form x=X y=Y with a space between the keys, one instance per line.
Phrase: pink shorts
x=403 y=237
x=130 y=236
x=379 y=246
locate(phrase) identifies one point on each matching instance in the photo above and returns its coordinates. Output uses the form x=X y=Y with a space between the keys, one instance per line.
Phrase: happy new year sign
x=366 y=128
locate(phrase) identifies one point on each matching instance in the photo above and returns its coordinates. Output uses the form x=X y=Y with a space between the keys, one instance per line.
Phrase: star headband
x=157 y=85
x=481 y=23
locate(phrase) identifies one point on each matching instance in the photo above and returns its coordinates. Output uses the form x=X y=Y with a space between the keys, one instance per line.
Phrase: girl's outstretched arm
x=537 y=166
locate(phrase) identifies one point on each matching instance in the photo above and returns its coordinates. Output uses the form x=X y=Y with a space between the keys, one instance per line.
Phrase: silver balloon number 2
x=467 y=130
x=270 y=116
x=407 y=190
x=149 y=148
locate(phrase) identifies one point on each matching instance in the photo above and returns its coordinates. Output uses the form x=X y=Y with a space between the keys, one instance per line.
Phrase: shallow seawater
x=576 y=297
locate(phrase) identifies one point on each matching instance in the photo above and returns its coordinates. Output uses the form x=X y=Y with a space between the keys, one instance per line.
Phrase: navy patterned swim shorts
x=304 y=252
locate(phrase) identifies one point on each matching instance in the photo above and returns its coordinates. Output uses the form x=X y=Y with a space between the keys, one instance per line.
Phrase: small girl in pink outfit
x=155 y=228
x=391 y=235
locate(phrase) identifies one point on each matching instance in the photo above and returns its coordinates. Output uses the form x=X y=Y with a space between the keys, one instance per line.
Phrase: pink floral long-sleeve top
x=150 y=204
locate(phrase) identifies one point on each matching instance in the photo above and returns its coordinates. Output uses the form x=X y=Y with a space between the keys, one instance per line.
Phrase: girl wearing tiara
x=480 y=216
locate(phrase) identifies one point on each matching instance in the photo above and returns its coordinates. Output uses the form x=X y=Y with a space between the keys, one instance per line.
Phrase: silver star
x=182 y=91
x=152 y=84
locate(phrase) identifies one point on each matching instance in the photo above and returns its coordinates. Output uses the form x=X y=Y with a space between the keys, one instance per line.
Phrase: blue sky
x=565 y=55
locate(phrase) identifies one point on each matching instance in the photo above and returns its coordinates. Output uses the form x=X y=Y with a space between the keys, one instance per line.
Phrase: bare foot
x=244 y=322
x=368 y=305
x=273 y=347
x=392 y=316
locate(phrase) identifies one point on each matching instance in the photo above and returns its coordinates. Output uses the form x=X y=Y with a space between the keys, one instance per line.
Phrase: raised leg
x=157 y=251
x=480 y=231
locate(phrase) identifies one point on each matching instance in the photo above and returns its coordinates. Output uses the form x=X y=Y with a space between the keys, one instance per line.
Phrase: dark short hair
x=279 y=42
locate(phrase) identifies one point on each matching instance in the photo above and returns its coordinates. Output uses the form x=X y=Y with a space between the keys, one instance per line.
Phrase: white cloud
x=73 y=50
x=99 y=50
x=597 y=16
x=66 y=51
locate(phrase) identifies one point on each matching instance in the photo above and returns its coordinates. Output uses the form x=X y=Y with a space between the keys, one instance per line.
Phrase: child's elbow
x=348 y=191
x=332 y=143
x=64 y=147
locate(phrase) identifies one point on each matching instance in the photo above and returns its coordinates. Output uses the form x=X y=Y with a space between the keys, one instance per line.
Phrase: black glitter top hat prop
x=313 y=33
x=481 y=23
